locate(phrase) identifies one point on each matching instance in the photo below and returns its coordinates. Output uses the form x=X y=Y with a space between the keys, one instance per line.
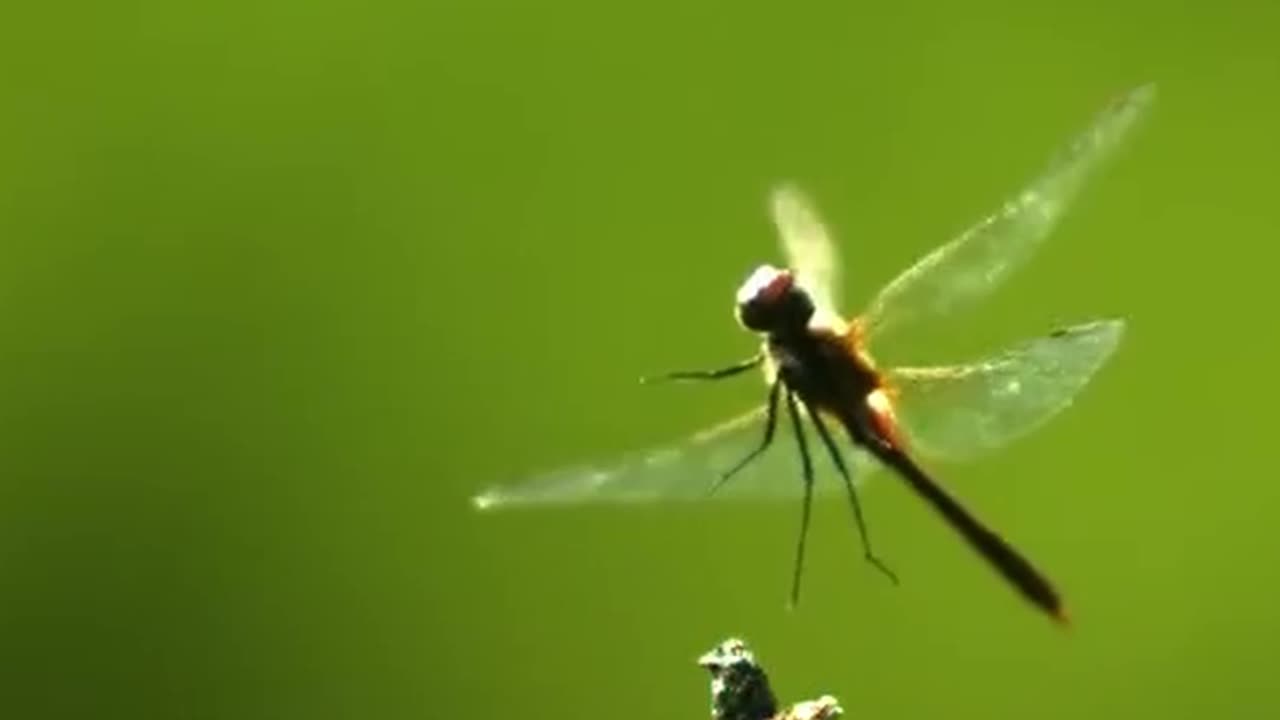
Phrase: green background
x=282 y=283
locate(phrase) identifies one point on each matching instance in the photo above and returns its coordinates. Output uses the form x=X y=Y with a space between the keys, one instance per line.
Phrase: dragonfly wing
x=969 y=267
x=807 y=245
x=684 y=471
x=961 y=411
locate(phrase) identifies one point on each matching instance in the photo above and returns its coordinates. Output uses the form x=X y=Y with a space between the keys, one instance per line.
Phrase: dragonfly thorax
x=771 y=302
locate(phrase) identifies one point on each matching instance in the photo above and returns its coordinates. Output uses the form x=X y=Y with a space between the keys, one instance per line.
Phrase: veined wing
x=810 y=254
x=681 y=472
x=955 y=411
x=960 y=411
x=969 y=267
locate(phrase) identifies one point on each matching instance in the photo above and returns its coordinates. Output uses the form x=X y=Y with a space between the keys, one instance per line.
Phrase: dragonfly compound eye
x=770 y=301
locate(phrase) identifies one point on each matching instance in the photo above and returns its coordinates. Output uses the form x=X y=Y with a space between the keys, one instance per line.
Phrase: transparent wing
x=961 y=411
x=808 y=248
x=685 y=471
x=969 y=267
x=957 y=411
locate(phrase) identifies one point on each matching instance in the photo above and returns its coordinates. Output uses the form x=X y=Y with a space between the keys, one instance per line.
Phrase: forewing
x=961 y=411
x=680 y=472
x=968 y=268
x=807 y=245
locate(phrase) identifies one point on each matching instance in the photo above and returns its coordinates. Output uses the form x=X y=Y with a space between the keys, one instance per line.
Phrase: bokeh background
x=283 y=283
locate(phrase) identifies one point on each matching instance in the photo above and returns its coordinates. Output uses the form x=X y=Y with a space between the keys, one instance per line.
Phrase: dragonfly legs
x=806 y=463
x=770 y=424
x=719 y=374
x=838 y=459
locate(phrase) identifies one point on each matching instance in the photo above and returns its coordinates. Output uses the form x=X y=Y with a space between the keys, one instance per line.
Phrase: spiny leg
x=770 y=422
x=838 y=459
x=807 y=467
x=720 y=374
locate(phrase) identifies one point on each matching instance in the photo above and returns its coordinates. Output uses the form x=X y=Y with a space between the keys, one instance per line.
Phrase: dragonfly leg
x=719 y=374
x=806 y=463
x=838 y=459
x=770 y=423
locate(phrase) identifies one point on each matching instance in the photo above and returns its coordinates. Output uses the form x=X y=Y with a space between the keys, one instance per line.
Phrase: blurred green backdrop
x=282 y=283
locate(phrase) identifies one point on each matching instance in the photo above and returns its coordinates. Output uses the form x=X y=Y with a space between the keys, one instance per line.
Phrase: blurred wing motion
x=961 y=411
x=810 y=254
x=969 y=267
x=684 y=471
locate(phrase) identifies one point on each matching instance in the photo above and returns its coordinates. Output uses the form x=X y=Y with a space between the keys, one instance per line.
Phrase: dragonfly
x=820 y=371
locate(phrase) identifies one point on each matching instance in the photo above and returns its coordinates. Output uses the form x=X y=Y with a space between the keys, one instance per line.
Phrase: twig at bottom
x=740 y=689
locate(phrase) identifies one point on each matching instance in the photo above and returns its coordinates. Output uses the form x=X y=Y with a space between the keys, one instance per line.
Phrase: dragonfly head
x=770 y=301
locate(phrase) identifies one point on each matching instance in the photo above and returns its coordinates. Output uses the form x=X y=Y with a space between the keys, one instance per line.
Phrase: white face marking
x=761 y=278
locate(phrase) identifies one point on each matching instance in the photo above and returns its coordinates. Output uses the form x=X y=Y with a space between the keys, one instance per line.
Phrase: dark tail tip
x=1061 y=616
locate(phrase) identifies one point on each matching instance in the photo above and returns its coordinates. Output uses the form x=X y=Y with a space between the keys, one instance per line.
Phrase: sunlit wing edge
x=963 y=411
x=809 y=250
x=682 y=472
x=969 y=267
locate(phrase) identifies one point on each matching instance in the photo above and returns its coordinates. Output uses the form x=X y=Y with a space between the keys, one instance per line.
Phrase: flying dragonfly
x=820 y=371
